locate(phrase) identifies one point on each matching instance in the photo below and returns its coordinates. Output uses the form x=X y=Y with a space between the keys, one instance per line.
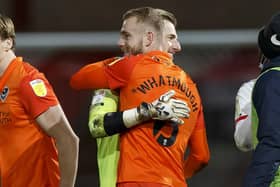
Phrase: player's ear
x=8 y=44
x=148 y=38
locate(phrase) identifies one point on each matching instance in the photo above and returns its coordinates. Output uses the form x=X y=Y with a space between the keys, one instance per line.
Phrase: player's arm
x=55 y=124
x=110 y=73
x=89 y=77
x=199 y=151
x=40 y=102
x=105 y=122
x=243 y=129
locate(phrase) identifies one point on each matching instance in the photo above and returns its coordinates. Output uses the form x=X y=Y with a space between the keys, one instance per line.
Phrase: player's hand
x=171 y=109
x=166 y=108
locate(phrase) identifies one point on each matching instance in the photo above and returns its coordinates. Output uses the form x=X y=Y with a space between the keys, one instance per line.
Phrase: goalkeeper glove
x=164 y=108
x=103 y=102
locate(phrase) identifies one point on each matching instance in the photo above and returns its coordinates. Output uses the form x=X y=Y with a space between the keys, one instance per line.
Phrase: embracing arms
x=104 y=121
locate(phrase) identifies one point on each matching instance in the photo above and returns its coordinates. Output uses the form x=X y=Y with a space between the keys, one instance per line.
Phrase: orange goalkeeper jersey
x=28 y=157
x=153 y=151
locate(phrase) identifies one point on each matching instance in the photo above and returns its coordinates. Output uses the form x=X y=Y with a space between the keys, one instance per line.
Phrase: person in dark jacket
x=264 y=169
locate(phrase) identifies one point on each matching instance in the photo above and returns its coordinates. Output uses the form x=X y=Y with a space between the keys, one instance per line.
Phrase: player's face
x=4 y=47
x=131 y=37
x=170 y=43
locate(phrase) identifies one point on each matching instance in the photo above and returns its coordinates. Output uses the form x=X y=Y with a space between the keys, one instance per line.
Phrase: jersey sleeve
x=242 y=99
x=118 y=74
x=37 y=94
x=111 y=73
x=91 y=76
x=199 y=151
x=243 y=130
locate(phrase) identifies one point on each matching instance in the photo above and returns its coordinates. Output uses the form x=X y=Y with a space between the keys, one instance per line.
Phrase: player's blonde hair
x=7 y=29
x=152 y=16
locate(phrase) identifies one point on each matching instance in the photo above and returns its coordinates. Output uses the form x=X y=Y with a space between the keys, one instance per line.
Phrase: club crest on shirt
x=4 y=93
x=39 y=87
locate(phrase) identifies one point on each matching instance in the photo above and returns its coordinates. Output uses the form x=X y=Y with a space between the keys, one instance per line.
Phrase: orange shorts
x=141 y=184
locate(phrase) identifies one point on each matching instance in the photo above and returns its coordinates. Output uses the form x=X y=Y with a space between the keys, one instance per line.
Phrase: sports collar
x=161 y=55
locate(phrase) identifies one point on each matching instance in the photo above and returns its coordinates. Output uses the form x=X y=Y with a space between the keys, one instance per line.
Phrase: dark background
x=91 y=15
x=218 y=70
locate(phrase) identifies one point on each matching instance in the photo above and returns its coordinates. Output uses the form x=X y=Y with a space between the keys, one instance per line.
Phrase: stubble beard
x=137 y=49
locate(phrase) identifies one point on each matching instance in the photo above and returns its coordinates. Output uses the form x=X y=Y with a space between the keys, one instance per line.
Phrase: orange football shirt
x=28 y=156
x=153 y=151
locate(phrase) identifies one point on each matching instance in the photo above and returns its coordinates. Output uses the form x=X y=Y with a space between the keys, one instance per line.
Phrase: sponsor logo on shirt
x=38 y=87
x=4 y=93
x=5 y=118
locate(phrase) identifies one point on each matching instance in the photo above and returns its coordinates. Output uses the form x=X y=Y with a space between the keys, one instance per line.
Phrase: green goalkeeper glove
x=103 y=101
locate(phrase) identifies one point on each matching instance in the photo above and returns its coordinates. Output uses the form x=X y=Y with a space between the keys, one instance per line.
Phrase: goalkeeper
x=104 y=121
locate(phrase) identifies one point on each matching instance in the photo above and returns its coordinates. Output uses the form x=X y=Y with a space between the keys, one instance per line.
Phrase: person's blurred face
x=170 y=43
x=131 y=37
x=5 y=46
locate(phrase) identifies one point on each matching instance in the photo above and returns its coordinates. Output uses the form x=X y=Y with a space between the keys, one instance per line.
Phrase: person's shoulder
x=111 y=61
x=29 y=69
x=188 y=78
x=25 y=71
x=157 y=56
x=250 y=83
x=247 y=86
x=245 y=90
x=125 y=60
x=31 y=74
x=268 y=78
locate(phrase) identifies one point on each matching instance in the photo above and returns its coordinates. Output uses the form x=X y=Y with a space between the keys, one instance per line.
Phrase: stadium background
x=219 y=52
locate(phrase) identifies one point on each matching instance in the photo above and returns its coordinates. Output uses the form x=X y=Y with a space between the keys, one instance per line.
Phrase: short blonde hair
x=152 y=16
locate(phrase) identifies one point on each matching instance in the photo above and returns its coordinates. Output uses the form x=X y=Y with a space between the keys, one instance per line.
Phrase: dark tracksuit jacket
x=262 y=171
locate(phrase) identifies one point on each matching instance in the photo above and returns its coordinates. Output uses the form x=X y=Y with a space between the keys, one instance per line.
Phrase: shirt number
x=161 y=139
